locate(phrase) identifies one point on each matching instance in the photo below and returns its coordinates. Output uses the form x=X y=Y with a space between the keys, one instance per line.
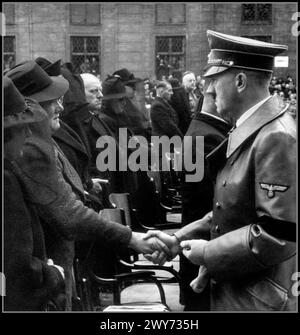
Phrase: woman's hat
x=126 y=76
x=52 y=69
x=113 y=88
x=16 y=111
x=33 y=82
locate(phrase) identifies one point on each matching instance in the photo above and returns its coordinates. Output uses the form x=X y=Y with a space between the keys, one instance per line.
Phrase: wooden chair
x=121 y=201
x=86 y=278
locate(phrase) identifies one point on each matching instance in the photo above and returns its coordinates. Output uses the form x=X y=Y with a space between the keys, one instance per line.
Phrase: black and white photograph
x=149 y=159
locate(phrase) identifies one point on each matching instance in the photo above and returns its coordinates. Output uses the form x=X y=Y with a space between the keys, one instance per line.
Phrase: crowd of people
x=237 y=240
x=286 y=89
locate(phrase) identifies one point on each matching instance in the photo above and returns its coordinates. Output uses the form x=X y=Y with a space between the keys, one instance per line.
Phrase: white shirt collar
x=214 y=116
x=250 y=111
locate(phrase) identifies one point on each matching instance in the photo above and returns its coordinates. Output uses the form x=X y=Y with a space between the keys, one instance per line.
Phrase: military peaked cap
x=229 y=51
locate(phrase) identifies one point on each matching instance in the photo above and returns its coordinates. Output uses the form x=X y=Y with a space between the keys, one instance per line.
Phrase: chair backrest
x=122 y=201
x=113 y=214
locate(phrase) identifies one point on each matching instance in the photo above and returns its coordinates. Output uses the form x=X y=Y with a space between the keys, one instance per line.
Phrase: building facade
x=151 y=39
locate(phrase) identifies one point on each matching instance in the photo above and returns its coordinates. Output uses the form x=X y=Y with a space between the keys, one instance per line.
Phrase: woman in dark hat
x=70 y=142
x=32 y=280
x=135 y=110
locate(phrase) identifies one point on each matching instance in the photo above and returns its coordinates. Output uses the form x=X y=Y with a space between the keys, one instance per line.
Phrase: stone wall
x=127 y=33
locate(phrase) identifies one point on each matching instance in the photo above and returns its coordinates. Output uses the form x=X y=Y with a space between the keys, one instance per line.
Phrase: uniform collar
x=266 y=112
x=250 y=111
x=214 y=116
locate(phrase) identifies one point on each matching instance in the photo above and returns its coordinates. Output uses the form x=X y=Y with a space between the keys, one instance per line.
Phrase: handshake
x=159 y=247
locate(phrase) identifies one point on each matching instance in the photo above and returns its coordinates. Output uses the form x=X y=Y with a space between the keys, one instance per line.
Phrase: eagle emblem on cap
x=272 y=189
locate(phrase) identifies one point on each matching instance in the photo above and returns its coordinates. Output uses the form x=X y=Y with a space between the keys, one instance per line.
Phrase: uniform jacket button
x=224 y=183
x=218 y=229
x=218 y=205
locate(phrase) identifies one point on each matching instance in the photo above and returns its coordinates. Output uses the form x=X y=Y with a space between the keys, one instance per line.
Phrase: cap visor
x=54 y=91
x=213 y=70
x=114 y=96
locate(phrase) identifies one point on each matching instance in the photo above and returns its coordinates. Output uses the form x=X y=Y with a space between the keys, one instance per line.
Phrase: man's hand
x=200 y=282
x=147 y=245
x=158 y=257
x=194 y=250
x=171 y=241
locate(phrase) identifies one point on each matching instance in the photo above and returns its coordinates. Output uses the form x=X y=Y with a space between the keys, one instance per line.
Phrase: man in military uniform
x=251 y=255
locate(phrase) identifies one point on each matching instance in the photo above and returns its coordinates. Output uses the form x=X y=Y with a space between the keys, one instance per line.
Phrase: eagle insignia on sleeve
x=272 y=189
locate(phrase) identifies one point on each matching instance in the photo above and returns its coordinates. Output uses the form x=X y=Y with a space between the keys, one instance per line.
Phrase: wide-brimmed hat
x=113 y=88
x=229 y=51
x=52 y=69
x=16 y=111
x=33 y=82
x=126 y=76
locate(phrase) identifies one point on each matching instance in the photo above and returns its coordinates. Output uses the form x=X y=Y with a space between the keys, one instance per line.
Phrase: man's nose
x=211 y=88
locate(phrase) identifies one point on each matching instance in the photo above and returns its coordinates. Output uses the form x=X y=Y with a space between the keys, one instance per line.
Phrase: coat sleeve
x=162 y=121
x=25 y=270
x=57 y=203
x=262 y=244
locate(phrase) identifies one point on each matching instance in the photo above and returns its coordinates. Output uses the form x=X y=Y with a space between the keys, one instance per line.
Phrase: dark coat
x=75 y=151
x=197 y=199
x=164 y=119
x=78 y=155
x=137 y=184
x=74 y=98
x=251 y=256
x=30 y=282
x=180 y=102
x=138 y=123
x=97 y=125
x=54 y=186
x=75 y=119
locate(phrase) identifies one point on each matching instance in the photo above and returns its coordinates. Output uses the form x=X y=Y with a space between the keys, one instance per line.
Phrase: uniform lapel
x=269 y=111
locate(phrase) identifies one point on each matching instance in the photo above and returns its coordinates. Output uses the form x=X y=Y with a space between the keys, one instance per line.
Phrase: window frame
x=6 y=53
x=256 y=21
x=85 y=23
x=85 y=53
x=170 y=52
x=170 y=23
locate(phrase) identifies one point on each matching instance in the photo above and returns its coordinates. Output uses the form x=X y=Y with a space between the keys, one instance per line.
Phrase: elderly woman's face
x=53 y=109
x=118 y=105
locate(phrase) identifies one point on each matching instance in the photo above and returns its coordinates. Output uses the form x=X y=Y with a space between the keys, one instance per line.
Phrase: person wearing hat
x=32 y=280
x=251 y=255
x=53 y=69
x=55 y=187
x=108 y=122
x=71 y=143
x=134 y=109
